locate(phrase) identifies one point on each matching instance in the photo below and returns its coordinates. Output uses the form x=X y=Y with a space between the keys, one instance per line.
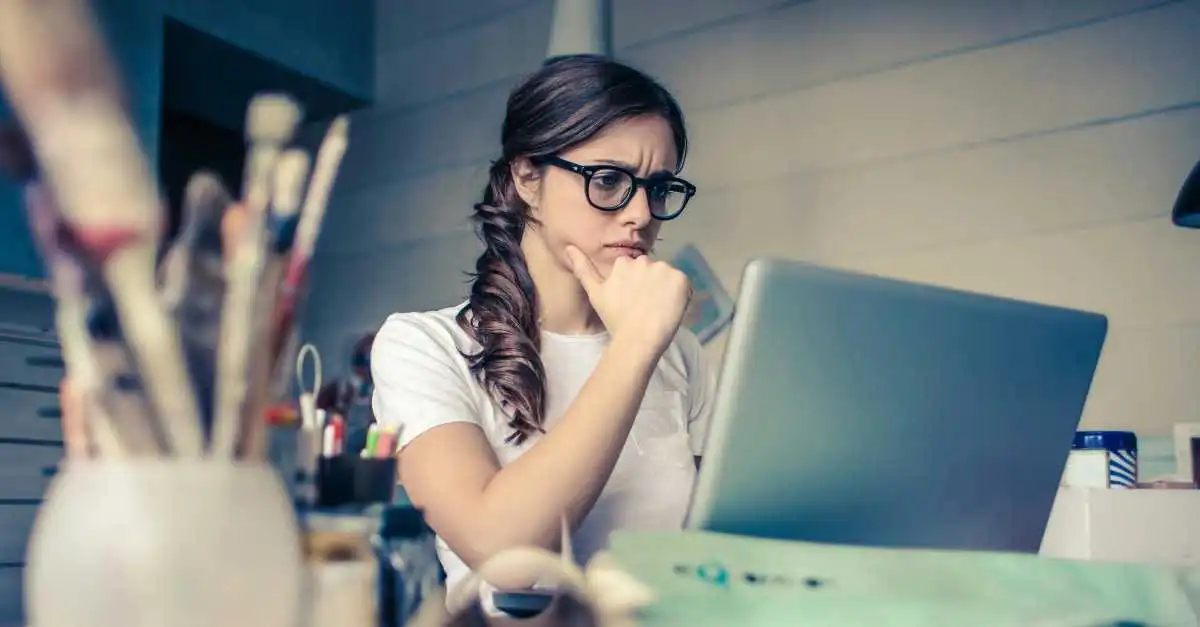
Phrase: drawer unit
x=29 y=414
x=30 y=362
x=26 y=470
x=10 y=596
x=16 y=520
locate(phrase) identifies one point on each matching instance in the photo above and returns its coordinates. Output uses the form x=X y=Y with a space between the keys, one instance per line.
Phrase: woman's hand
x=641 y=300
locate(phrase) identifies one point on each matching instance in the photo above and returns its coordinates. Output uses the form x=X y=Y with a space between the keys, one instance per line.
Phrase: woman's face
x=558 y=200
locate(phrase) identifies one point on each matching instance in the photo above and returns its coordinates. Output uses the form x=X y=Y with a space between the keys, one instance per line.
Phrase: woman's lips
x=627 y=250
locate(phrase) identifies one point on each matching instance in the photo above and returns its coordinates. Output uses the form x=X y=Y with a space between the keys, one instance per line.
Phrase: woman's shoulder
x=423 y=331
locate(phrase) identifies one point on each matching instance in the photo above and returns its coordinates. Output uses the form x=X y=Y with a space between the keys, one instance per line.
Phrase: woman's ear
x=527 y=179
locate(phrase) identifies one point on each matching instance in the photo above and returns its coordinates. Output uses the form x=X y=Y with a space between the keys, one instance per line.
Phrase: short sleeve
x=702 y=385
x=420 y=379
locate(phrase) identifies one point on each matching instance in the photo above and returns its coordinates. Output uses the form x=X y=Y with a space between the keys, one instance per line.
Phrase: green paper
x=705 y=579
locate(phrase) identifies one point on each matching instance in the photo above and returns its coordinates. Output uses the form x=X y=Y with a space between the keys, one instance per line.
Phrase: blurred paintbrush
x=291 y=172
x=117 y=421
x=61 y=82
x=192 y=278
x=270 y=122
x=285 y=336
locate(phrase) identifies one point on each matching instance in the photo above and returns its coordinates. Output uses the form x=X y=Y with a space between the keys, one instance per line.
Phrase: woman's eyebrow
x=633 y=168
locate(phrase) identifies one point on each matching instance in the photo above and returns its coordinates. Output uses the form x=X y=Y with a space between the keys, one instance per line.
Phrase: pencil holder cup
x=164 y=542
x=353 y=480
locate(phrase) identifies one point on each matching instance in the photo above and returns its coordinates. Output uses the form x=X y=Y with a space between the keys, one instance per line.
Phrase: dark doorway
x=207 y=83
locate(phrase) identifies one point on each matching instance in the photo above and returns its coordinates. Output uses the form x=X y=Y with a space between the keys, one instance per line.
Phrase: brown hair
x=568 y=101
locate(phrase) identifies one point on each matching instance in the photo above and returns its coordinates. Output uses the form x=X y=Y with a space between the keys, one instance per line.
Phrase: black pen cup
x=355 y=480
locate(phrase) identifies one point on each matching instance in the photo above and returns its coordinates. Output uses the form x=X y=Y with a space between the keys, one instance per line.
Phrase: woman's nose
x=637 y=212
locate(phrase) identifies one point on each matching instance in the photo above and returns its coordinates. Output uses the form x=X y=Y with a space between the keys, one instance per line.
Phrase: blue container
x=1120 y=448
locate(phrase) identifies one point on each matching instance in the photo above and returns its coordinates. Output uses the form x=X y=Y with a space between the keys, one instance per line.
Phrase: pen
x=339 y=433
x=330 y=441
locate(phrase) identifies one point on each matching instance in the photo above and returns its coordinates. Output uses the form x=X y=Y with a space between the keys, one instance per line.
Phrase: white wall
x=1029 y=149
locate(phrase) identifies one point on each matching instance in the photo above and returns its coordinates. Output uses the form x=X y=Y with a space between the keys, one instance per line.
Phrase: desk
x=1152 y=526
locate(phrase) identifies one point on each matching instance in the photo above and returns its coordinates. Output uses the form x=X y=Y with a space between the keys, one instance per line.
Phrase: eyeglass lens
x=611 y=189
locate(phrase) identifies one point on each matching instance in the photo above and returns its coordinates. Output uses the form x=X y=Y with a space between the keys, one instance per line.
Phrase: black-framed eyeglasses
x=610 y=188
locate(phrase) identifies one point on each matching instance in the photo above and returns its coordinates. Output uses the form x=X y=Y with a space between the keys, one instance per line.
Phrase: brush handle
x=119 y=423
x=193 y=284
x=253 y=432
x=61 y=83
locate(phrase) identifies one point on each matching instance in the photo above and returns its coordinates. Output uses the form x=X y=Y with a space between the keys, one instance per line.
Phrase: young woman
x=564 y=385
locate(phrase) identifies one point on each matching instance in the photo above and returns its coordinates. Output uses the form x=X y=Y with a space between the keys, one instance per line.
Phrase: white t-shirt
x=422 y=381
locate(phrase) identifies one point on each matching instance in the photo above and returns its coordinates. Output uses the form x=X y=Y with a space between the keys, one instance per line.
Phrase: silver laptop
x=861 y=410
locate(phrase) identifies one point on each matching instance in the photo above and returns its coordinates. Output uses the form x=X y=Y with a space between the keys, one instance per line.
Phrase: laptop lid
x=857 y=409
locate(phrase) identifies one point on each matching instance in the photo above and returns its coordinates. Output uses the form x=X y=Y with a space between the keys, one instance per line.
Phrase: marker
x=329 y=442
x=339 y=430
x=372 y=441
x=386 y=446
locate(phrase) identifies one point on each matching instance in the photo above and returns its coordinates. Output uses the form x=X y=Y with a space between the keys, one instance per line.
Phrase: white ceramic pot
x=160 y=543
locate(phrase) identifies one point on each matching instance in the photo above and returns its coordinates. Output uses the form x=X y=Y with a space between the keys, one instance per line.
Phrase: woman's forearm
x=564 y=473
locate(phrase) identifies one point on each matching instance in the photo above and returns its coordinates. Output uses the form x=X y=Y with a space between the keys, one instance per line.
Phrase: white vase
x=161 y=543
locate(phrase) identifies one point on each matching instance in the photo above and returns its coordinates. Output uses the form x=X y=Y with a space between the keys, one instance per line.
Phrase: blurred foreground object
x=169 y=369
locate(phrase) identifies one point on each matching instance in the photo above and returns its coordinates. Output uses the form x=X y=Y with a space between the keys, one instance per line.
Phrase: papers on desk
x=702 y=579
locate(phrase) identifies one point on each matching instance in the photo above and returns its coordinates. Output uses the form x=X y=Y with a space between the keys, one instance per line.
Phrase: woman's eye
x=607 y=179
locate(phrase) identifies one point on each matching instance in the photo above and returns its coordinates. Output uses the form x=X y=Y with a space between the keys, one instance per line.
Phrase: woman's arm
x=479 y=508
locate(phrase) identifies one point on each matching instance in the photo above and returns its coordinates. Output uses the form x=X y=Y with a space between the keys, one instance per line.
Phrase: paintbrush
x=68 y=285
x=192 y=279
x=59 y=79
x=87 y=358
x=121 y=393
x=291 y=172
x=292 y=292
x=118 y=420
x=270 y=122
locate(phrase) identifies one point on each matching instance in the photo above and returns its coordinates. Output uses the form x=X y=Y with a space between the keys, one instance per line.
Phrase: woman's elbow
x=477 y=546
